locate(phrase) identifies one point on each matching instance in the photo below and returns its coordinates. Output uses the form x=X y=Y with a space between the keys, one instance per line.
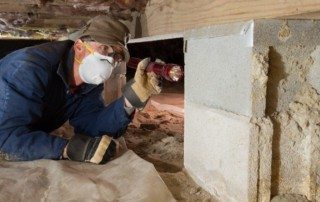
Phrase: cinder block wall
x=253 y=109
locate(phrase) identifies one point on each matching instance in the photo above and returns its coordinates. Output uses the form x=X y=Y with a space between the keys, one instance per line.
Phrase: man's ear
x=78 y=47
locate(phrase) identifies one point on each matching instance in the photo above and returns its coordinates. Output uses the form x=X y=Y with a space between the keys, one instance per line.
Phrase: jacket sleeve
x=21 y=105
x=94 y=119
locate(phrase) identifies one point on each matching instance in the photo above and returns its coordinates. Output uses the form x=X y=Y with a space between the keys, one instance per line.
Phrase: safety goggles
x=112 y=52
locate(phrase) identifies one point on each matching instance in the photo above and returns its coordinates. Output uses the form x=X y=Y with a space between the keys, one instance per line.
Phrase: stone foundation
x=252 y=109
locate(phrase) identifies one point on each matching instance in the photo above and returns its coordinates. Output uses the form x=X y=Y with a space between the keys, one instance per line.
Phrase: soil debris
x=157 y=136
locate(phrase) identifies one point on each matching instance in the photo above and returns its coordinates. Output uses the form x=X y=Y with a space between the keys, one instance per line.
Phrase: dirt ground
x=157 y=136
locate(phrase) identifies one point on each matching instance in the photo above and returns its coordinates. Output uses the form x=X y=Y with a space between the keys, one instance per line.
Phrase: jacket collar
x=65 y=66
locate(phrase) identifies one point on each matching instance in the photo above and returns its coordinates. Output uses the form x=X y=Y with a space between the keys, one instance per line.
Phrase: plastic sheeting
x=127 y=178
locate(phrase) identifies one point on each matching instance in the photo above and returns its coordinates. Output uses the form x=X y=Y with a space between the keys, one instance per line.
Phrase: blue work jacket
x=35 y=99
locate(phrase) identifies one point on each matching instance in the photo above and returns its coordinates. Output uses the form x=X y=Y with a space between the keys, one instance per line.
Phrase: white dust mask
x=95 y=68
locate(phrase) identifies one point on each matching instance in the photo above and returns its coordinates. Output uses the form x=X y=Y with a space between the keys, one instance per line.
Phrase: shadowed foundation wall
x=293 y=103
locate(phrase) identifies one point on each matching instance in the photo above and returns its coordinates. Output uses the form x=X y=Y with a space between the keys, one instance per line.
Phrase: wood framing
x=169 y=16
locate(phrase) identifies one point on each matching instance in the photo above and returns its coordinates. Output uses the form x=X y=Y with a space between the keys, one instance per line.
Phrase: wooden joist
x=52 y=10
x=56 y=23
x=4 y=7
x=20 y=1
x=169 y=16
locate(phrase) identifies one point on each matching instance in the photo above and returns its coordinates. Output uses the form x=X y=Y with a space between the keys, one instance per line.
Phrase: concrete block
x=222 y=147
x=218 y=71
x=217 y=151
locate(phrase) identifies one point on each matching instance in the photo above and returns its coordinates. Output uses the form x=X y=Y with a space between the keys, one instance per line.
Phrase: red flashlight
x=170 y=72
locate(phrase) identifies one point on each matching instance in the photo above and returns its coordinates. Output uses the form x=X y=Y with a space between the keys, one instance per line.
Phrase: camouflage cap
x=105 y=30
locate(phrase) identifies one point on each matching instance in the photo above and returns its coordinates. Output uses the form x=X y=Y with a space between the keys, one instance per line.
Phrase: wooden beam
x=22 y=2
x=14 y=7
x=58 y=22
x=169 y=16
x=312 y=15
x=48 y=10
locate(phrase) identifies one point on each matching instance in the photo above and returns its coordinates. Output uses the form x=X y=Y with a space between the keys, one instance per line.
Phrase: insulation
x=76 y=181
x=43 y=19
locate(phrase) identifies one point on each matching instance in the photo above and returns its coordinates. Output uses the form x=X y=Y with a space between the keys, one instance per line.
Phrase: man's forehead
x=116 y=48
x=95 y=43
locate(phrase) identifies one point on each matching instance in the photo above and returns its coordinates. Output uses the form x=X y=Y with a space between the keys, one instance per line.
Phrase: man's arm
x=94 y=119
x=21 y=104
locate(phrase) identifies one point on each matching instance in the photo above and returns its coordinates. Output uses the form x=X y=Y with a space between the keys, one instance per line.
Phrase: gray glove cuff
x=83 y=148
x=129 y=110
x=131 y=96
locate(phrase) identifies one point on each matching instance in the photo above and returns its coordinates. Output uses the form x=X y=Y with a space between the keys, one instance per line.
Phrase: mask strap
x=77 y=60
x=88 y=48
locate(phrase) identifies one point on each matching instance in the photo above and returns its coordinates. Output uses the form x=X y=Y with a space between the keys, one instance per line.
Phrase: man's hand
x=144 y=84
x=97 y=150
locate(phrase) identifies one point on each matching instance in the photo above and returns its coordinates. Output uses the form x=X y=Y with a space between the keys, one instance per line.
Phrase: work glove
x=98 y=150
x=142 y=86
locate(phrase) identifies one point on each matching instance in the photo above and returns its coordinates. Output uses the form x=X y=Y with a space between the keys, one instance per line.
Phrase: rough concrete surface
x=294 y=107
x=261 y=129
x=260 y=159
x=314 y=72
x=259 y=78
x=274 y=32
x=289 y=198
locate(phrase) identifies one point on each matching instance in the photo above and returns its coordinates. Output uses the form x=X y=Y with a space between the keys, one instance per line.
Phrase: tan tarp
x=127 y=178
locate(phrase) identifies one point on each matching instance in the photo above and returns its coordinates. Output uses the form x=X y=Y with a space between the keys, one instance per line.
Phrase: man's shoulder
x=40 y=60
x=52 y=47
x=50 y=52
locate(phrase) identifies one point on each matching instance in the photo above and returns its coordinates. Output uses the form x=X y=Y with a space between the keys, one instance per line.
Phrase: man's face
x=112 y=51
